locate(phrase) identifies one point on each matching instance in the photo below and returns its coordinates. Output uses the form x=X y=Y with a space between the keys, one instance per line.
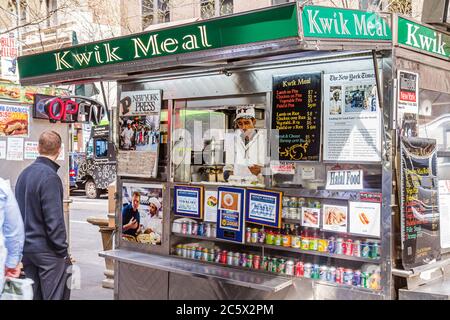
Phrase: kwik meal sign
x=265 y=25
x=423 y=38
x=334 y=23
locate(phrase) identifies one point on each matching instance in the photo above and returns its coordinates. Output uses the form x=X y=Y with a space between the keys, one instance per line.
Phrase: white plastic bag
x=17 y=289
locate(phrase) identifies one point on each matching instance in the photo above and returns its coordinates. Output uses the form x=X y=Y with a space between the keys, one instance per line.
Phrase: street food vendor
x=130 y=216
x=152 y=222
x=246 y=159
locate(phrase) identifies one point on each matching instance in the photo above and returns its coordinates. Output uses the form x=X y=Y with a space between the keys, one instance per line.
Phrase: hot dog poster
x=14 y=121
x=335 y=218
x=365 y=218
x=311 y=217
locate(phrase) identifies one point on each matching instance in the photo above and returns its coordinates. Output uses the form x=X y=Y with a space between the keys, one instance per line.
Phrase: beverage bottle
x=286 y=236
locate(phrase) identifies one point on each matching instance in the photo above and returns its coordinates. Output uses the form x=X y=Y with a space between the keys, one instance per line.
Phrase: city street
x=85 y=243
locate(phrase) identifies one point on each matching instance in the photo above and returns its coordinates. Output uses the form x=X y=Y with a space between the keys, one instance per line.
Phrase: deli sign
x=68 y=109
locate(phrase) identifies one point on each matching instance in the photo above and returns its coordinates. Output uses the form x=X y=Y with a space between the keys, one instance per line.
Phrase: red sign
x=8 y=47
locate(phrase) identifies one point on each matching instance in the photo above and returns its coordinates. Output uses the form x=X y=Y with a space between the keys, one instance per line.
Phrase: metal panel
x=140 y=283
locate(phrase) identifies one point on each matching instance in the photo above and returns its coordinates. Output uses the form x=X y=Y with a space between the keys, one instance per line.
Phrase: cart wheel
x=91 y=189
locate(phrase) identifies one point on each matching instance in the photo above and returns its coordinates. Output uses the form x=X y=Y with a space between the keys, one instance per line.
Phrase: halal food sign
x=68 y=109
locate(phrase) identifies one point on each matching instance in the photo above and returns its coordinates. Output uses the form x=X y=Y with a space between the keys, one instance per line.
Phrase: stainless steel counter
x=438 y=290
x=242 y=278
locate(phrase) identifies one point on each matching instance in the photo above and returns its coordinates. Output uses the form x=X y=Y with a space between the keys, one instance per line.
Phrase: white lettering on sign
x=423 y=42
x=60 y=62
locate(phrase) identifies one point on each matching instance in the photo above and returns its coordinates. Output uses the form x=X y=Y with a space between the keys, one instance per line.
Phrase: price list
x=296 y=116
x=420 y=207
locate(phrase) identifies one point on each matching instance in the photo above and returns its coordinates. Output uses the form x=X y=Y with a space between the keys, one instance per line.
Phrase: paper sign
x=15 y=149
x=344 y=180
x=335 y=218
x=210 y=206
x=230 y=217
x=311 y=217
x=31 y=150
x=408 y=92
x=365 y=218
x=2 y=149
x=189 y=201
x=264 y=207
x=308 y=173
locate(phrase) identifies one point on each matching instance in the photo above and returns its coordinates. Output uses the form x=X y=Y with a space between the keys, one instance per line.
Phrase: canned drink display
x=348 y=276
x=357 y=278
x=289 y=267
x=307 y=270
x=313 y=245
x=305 y=243
x=296 y=242
x=249 y=261
x=299 y=269
x=264 y=264
x=331 y=274
x=274 y=266
x=348 y=247
x=315 y=271
x=281 y=267
x=331 y=248
x=277 y=240
x=201 y=229
x=365 y=250
x=248 y=235
x=184 y=227
x=357 y=248
x=189 y=228
x=254 y=235
x=194 y=228
x=340 y=275
x=374 y=252
x=323 y=273
x=364 y=280
x=256 y=262
x=339 y=246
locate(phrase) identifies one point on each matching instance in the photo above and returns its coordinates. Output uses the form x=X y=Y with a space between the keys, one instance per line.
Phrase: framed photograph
x=188 y=201
x=311 y=217
x=264 y=207
x=335 y=218
x=142 y=213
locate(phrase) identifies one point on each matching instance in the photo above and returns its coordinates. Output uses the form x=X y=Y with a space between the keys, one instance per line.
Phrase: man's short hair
x=136 y=194
x=49 y=143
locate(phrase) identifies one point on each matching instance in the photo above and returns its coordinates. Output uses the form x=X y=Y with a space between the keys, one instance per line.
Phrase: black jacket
x=39 y=192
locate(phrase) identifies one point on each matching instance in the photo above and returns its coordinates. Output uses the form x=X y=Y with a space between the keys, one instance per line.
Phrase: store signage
x=14 y=121
x=365 y=218
x=188 y=201
x=344 y=180
x=68 y=109
x=265 y=25
x=264 y=207
x=334 y=23
x=230 y=217
x=296 y=116
x=420 y=218
x=423 y=38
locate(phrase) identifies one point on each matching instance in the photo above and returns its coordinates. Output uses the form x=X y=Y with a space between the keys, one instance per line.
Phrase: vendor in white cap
x=127 y=134
x=245 y=154
x=152 y=222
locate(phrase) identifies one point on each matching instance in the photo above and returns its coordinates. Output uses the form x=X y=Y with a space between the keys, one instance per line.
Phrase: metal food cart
x=232 y=61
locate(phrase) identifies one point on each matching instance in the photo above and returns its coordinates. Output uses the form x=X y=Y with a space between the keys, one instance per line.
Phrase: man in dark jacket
x=39 y=192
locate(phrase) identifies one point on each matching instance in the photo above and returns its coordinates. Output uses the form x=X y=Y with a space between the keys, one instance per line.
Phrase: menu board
x=420 y=202
x=296 y=116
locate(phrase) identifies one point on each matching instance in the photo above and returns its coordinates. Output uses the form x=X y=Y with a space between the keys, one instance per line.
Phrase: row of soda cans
x=283 y=266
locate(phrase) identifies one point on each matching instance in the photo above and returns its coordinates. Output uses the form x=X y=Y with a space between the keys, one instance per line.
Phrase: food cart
x=342 y=198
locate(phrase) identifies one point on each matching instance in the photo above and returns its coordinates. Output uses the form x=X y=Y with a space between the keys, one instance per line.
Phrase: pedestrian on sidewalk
x=11 y=234
x=39 y=192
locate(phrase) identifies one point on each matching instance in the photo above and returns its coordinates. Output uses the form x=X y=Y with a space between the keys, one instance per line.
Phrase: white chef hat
x=129 y=122
x=156 y=202
x=247 y=112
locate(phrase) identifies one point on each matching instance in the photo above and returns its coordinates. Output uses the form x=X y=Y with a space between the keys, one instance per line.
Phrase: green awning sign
x=422 y=38
x=334 y=23
x=265 y=25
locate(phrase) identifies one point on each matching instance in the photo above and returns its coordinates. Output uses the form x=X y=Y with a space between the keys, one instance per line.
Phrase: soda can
x=274 y=266
x=269 y=264
x=265 y=264
x=183 y=251
x=217 y=255
x=313 y=244
x=223 y=256
x=256 y=262
x=211 y=253
x=281 y=267
x=299 y=269
x=230 y=257
x=331 y=274
x=339 y=246
x=357 y=278
x=364 y=280
x=178 y=250
x=205 y=254
x=243 y=260
x=365 y=250
x=374 y=252
x=305 y=243
x=357 y=248
x=194 y=228
x=348 y=276
x=315 y=271
x=184 y=227
x=331 y=245
x=277 y=240
x=348 y=247
x=322 y=245
x=201 y=229
x=254 y=235
x=307 y=272
x=193 y=250
x=198 y=253
x=289 y=268
x=323 y=273
x=270 y=238
x=248 y=235
x=236 y=259
x=340 y=275
x=249 y=261
x=261 y=236
x=208 y=230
